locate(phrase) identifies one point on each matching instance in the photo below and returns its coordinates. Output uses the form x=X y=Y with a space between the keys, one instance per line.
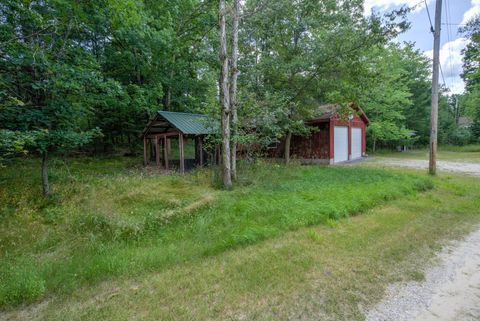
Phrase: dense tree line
x=91 y=73
x=471 y=75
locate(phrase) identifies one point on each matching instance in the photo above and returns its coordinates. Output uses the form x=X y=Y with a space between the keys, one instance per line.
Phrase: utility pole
x=436 y=61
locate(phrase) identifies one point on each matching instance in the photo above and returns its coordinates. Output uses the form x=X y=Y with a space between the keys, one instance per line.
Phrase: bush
x=460 y=136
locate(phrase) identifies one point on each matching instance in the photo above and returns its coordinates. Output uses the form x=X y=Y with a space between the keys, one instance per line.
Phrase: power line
x=443 y=78
x=453 y=24
x=449 y=36
x=429 y=17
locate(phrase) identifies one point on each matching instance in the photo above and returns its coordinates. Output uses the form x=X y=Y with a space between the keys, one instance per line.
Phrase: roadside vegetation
x=101 y=237
x=314 y=261
x=109 y=218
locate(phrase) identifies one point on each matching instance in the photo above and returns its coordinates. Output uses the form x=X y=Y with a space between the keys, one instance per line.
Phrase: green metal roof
x=189 y=124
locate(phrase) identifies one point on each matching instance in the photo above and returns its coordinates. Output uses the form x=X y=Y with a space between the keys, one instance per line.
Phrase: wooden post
x=331 y=149
x=436 y=62
x=197 y=156
x=181 y=153
x=165 y=151
x=200 y=147
x=145 y=162
x=349 y=132
x=151 y=150
x=157 y=151
x=364 y=139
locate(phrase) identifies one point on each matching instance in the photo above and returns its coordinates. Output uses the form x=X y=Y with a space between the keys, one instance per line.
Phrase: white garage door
x=356 y=142
x=340 y=144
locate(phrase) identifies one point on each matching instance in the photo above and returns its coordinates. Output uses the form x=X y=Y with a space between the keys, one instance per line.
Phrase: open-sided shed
x=339 y=136
x=168 y=126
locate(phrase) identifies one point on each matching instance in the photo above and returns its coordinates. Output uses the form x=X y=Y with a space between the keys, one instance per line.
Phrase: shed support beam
x=157 y=151
x=196 y=150
x=331 y=140
x=200 y=145
x=165 y=151
x=349 y=139
x=181 y=152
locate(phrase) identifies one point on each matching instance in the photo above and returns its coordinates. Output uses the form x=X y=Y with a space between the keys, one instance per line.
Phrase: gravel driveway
x=451 y=290
x=472 y=169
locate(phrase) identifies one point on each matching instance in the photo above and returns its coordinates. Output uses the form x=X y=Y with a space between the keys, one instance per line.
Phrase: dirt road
x=451 y=290
x=472 y=169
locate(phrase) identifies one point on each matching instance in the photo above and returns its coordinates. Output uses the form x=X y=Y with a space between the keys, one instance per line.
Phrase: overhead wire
x=449 y=37
x=432 y=30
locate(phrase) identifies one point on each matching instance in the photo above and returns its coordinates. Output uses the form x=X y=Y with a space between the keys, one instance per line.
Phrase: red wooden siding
x=314 y=146
x=320 y=143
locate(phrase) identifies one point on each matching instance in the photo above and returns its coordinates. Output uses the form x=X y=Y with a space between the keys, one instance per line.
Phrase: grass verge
x=107 y=221
x=326 y=272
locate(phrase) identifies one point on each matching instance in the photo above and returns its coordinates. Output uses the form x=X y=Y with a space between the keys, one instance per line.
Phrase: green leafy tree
x=397 y=100
x=308 y=53
x=471 y=74
x=45 y=78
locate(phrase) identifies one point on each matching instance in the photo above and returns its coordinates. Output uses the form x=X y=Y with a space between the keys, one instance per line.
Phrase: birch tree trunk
x=168 y=95
x=288 y=140
x=224 y=99
x=45 y=185
x=233 y=88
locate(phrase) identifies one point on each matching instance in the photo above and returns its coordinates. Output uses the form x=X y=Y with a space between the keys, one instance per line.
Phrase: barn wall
x=319 y=145
x=315 y=146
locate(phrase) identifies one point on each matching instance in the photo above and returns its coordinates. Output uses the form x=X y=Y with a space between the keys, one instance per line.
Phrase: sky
x=454 y=12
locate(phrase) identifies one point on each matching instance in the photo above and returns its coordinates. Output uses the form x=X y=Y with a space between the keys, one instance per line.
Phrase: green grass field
x=117 y=241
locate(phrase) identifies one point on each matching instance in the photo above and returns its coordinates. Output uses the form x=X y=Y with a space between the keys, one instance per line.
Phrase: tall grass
x=473 y=148
x=110 y=219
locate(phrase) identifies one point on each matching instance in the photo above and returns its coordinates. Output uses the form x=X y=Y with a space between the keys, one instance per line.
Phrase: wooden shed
x=339 y=136
x=176 y=140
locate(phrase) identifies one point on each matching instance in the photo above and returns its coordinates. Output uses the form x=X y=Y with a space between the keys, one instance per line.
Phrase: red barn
x=339 y=136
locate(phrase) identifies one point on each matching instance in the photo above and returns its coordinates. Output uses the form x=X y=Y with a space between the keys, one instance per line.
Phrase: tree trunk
x=45 y=185
x=288 y=139
x=233 y=89
x=374 y=144
x=168 y=94
x=224 y=99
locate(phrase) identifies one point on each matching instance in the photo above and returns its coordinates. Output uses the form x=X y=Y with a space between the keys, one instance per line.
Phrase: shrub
x=460 y=136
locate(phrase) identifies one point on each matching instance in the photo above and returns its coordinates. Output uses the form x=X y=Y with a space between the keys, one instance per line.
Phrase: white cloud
x=382 y=5
x=457 y=87
x=451 y=61
x=470 y=13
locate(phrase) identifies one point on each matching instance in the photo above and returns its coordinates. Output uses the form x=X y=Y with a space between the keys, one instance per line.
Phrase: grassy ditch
x=110 y=219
